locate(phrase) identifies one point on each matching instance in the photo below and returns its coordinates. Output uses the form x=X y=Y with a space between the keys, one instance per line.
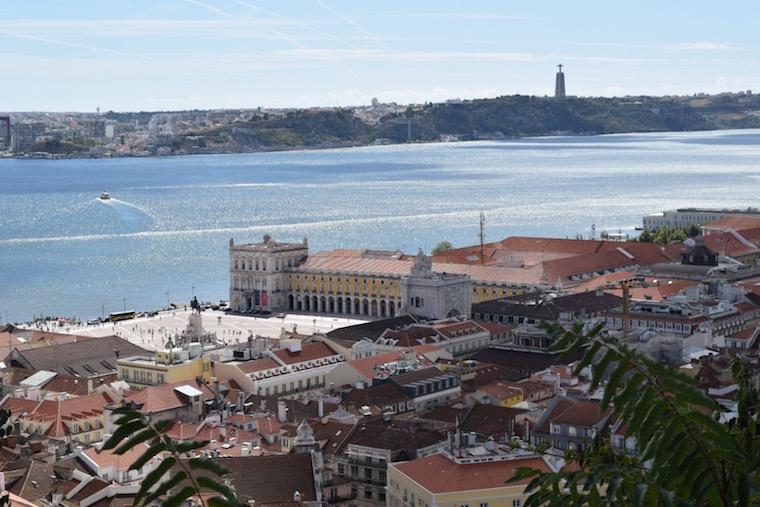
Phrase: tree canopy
x=689 y=455
x=442 y=246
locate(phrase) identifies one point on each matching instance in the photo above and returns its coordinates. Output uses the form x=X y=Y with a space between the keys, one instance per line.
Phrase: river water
x=164 y=235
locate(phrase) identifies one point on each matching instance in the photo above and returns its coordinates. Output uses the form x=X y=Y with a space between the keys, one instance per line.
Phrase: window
x=368 y=493
x=516 y=503
x=483 y=504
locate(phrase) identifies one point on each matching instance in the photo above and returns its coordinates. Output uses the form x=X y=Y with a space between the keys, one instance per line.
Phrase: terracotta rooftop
x=366 y=365
x=107 y=458
x=585 y=413
x=153 y=399
x=265 y=363
x=735 y=222
x=438 y=474
x=309 y=352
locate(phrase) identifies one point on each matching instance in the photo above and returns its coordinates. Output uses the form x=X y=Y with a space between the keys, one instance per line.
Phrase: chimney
x=321 y=407
x=2 y=481
x=282 y=411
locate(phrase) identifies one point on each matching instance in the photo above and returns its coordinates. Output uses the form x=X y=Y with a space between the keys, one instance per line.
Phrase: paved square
x=152 y=332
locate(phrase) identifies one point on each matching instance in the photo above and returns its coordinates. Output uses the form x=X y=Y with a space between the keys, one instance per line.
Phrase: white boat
x=104 y=196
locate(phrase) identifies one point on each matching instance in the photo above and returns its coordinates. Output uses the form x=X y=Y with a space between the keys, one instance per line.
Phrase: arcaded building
x=272 y=276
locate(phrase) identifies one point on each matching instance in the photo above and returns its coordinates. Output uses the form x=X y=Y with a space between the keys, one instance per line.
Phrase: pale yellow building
x=443 y=480
x=167 y=366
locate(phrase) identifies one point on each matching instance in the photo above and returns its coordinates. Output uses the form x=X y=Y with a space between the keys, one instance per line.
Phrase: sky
x=131 y=55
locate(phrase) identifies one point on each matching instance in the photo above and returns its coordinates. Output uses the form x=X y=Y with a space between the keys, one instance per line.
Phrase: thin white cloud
x=428 y=56
x=211 y=8
x=352 y=23
x=296 y=22
x=77 y=45
x=701 y=46
x=677 y=46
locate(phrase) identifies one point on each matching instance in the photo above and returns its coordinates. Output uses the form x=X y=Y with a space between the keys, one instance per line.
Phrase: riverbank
x=500 y=118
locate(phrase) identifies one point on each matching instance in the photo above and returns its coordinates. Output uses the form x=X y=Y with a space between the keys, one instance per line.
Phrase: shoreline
x=73 y=156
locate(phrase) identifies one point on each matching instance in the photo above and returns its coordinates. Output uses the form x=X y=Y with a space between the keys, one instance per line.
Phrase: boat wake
x=127 y=211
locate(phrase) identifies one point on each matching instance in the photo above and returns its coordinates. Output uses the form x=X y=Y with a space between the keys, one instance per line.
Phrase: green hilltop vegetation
x=498 y=118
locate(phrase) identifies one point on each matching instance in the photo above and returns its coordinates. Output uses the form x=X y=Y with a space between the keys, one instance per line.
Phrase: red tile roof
x=265 y=363
x=574 y=412
x=366 y=365
x=107 y=458
x=163 y=397
x=438 y=474
x=309 y=352
x=736 y=222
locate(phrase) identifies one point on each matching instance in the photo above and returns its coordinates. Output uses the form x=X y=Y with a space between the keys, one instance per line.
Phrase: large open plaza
x=153 y=332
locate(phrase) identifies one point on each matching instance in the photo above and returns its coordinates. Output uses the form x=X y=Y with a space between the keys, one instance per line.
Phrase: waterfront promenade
x=151 y=332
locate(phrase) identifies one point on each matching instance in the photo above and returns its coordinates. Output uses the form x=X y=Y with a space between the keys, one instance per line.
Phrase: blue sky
x=76 y=55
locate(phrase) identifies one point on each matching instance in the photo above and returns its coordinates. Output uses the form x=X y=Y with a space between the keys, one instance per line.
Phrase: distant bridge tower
x=559 y=84
x=5 y=123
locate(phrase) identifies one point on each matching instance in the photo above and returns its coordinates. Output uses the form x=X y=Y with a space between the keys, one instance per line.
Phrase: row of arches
x=344 y=305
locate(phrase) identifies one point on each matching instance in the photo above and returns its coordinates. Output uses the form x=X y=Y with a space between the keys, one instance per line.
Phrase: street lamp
x=124 y=304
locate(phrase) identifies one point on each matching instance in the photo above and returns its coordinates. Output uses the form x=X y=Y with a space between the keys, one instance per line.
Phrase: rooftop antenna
x=482 y=234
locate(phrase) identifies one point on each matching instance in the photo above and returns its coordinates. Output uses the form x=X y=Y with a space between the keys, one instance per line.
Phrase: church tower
x=559 y=84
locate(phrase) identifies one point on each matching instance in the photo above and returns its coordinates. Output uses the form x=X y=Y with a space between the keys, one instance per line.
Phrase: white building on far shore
x=684 y=217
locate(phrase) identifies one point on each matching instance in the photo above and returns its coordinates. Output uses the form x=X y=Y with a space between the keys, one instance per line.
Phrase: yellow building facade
x=373 y=295
x=164 y=368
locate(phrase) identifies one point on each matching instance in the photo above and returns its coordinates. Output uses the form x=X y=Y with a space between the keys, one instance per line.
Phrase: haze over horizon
x=204 y=54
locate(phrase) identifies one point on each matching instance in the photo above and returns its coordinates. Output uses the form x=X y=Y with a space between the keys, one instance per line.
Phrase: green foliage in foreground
x=4 y=416
x=176 y=479
x=665 y=235
x=688 y=457
x=442 y=246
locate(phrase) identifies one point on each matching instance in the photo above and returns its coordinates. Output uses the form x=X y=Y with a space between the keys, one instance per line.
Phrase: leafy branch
x=687 y=455
x=176 y=478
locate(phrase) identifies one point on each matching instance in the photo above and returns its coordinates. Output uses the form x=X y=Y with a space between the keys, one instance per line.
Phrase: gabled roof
x=379 y=396
x=54 y=412
x=371 y=330
x=490 y=420
x=83 y=358
x=106 y=458
x=393 y=435
x=154 y=399
x=272 y=479
x=584 y=413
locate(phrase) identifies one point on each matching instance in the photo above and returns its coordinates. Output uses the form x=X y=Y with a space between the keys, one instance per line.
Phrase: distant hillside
x=498 y=118
x=57 y=147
